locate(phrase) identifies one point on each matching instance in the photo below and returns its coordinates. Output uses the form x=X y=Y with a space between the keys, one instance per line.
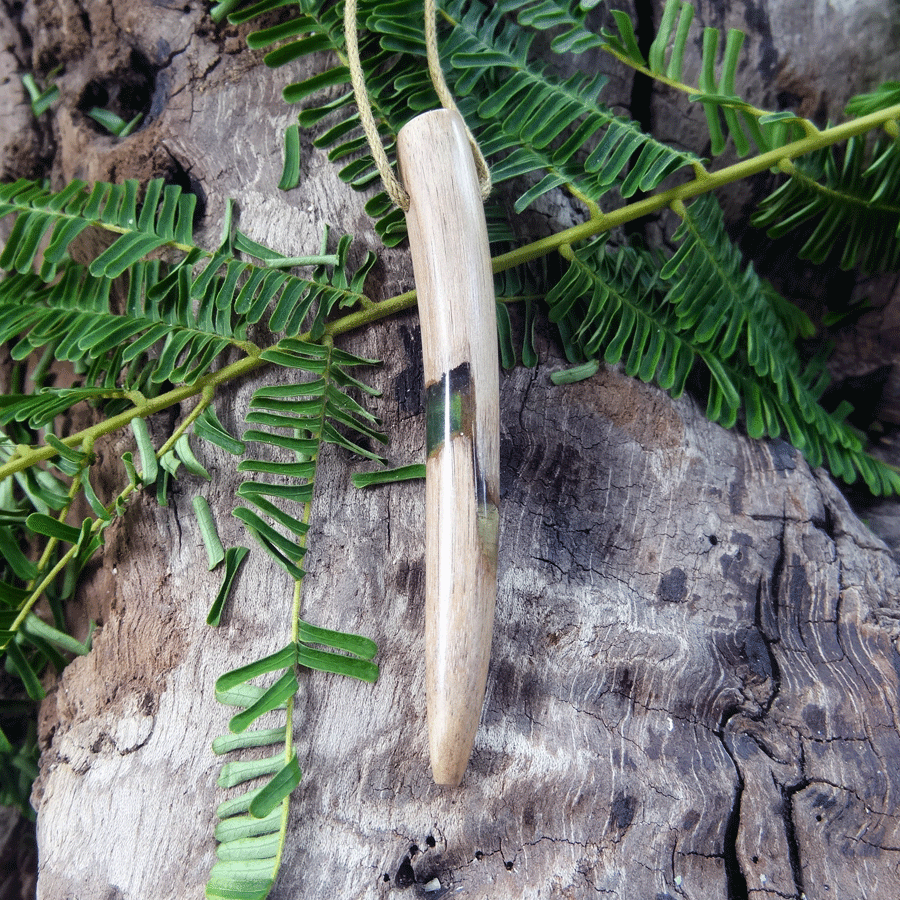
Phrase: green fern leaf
x=271 y=796
x=211 y=429
x=18 y=662
x=852 y=195
x=227 y=743
x=190 y=320
x=624 y=42
x=887 y=94
x=234 y=556
x=702 y=304
x=565 y=21
x=717 y=93
x=545 y=124
x=240 y=772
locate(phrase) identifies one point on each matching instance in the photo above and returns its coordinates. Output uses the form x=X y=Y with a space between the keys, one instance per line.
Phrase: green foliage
x=541 y=123
x=852 y=195
x=114 y=124
x=744 y=123
x=252 y=828
x=533 y=121
x=300 y=418
x=188 y=313
x=234 y=556
x=156 y=322
x=18 y=764
x=182 y=311
x=661 y=316
x=41 y=99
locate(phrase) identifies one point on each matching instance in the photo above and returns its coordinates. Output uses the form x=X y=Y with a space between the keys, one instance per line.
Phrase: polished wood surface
x=452 y=267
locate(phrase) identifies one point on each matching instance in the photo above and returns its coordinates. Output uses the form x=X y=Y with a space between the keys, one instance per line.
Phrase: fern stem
x=289 y=716
x=207 y=395
x=374 y=314
x=64 y=560
x=295 y=637
x=831 y=194
x=47 y=554
x=206 y=398
x=683 y=88
x=237 y=369
x=38 y=591
x=593 y=208
x=697 y=186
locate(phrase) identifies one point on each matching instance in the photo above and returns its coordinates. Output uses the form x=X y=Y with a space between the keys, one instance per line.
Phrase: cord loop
x=392 y=185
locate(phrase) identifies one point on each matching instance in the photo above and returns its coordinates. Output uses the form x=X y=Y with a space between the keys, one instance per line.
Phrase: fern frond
x=885 y=95
x=19 y=769
x=253 y=825
x=722 y=302
x=703 y=305
x=251 y=837
x=715 y=92
x=537 y=124
x=567 y=19
x=300 y=418
x=544 y=125
x=522 y=284
x=606 y=303
x=313 y=412
x=165 y=219
x=32 y=490
x=179 y=318
x=852 y=195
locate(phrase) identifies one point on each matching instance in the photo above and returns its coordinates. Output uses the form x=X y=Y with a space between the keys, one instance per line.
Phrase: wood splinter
x=452 y=268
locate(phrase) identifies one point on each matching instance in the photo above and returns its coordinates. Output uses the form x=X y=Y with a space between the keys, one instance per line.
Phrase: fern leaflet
x=701 y=304
x=299 y=418
x=853 y=197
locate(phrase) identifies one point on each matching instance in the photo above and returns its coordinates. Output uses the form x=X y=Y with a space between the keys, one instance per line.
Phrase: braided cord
x=391 y=184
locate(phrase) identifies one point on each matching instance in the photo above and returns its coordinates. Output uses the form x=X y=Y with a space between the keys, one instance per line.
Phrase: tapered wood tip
x=449 y=765
x=447 y=779
x=454 y=712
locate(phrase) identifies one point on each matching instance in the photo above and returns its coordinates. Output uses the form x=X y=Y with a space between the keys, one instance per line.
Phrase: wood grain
x=695 y=663
x=452 y=265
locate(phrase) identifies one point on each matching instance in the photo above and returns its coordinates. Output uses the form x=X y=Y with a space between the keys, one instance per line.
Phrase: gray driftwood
x=694 y=684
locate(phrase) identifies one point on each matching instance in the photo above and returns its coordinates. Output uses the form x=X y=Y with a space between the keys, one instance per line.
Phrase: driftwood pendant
x=452 y=268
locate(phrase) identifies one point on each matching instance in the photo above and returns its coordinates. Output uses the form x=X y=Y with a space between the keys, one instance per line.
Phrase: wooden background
x=694 y=681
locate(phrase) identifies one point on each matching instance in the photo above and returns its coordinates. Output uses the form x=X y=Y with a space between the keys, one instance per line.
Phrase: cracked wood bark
x=694 y=681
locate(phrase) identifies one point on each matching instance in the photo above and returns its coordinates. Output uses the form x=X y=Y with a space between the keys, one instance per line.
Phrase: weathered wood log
x=694 y=682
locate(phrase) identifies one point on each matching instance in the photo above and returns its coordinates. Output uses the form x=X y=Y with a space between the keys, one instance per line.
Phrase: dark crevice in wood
x=13 y=12
x=777 y=572
x=731 y=710
x=825 y=523
x=405 y=876
x=790 y=833
x=767 y=643
x=735 y=880
x=642 y=87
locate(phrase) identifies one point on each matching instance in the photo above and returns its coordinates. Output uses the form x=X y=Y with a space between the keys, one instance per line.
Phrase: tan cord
x=393 y=187
x=444 y=95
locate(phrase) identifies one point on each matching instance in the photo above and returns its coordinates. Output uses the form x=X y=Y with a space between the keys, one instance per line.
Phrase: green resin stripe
x=449 y=408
